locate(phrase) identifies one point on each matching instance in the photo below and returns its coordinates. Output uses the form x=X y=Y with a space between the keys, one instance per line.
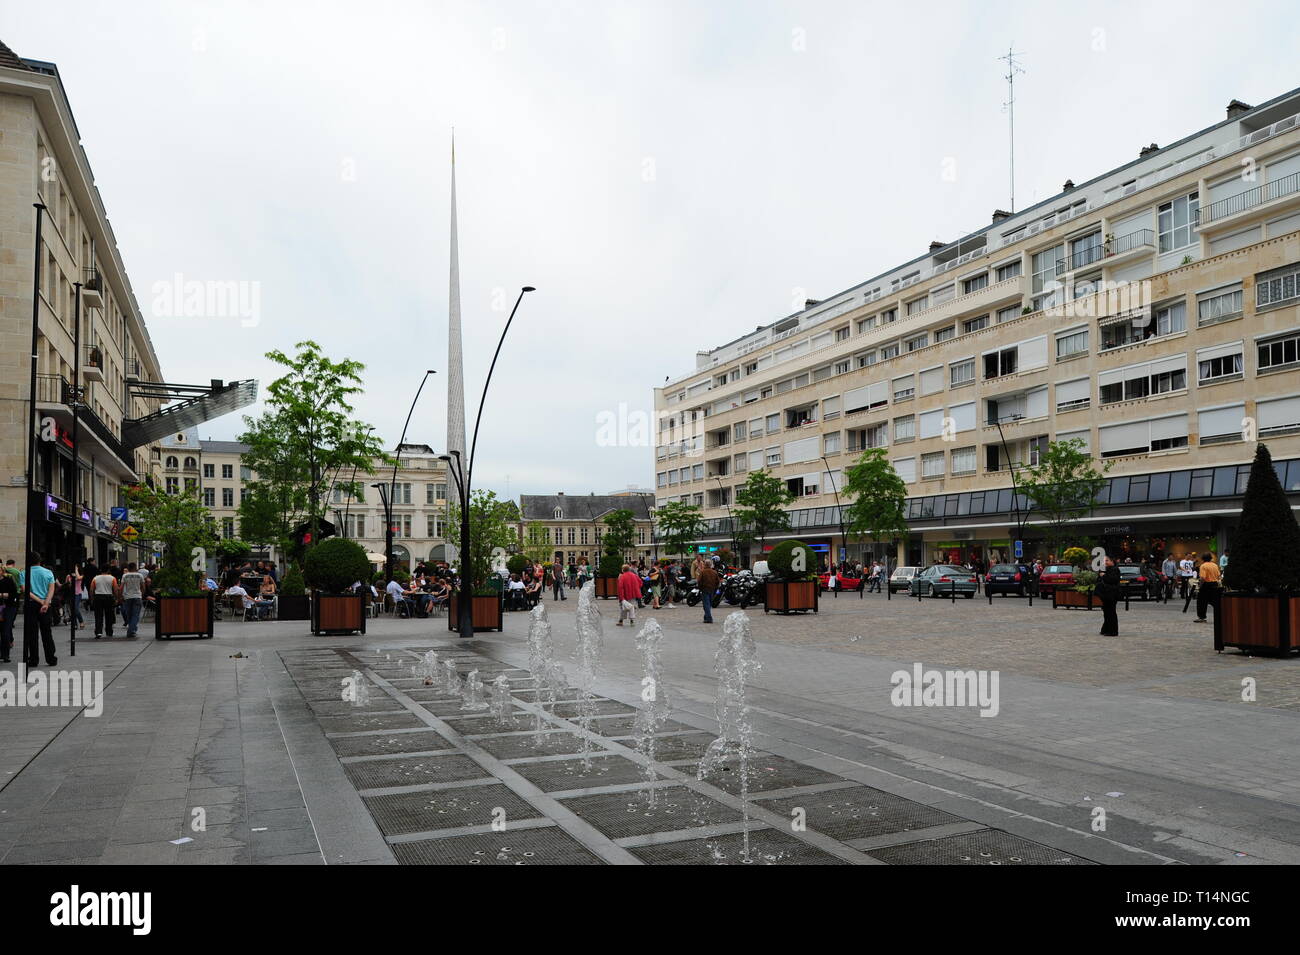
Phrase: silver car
x=901 y=578
x=942 y=580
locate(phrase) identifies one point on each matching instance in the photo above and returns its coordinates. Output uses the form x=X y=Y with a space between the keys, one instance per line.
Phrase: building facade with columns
x=1152 y=312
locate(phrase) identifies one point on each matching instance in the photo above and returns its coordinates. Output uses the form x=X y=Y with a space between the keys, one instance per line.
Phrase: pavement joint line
x=541 y=822
x=376 y=757
x=423 y=787
x=613 y=788
x=573 y=824
x=687 y=835
x=355 y=733
x=809 y=790
x=928 y=834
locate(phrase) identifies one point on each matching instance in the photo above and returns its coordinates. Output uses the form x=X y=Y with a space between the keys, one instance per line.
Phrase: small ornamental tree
x=490 y=535
x=879 y=508
x=335 y=564
x=1267 y=541
x=680 y=526
x=293 y=585
x=516 y=563
x=760 y=506
x=179 y=524
x=1062 y=487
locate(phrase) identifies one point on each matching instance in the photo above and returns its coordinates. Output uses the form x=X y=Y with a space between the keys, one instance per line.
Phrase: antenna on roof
x=1010 y=106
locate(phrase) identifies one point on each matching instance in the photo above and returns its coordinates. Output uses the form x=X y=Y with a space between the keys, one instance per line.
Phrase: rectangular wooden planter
x=606 y=587
x=296 y=607
x=1069 y=597
x=486 y=612
x=338 y=613
x=183 y=617
x=1257 y=623
x=785 y=596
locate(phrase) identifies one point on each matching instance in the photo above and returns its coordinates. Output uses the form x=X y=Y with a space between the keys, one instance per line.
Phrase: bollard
x=954 y=591
x=988 y=593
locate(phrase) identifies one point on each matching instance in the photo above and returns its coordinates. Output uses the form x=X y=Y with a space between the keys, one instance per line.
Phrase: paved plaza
x=248 y=735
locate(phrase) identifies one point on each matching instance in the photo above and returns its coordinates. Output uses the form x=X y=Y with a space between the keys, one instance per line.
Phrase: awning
x=200 y=403
x=377 y=558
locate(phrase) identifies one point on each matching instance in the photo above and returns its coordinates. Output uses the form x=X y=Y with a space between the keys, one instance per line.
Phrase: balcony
x=92 y=288
x=1117 y=251
x=1269 y=197
x=56 y=394
x=92 y=365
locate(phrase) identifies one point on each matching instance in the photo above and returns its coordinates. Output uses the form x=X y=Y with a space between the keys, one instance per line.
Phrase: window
x=904 y=428
x=918 y=305
x=173 y=462
x=245 y=473
x=1218 y=364
x=889 y=351
x=1071 y=344
x=999 y=363
x=842 y=367
x=173 y=485
x=961 y=372
x=243 y=495
x=428 y=495
x=1219 y=305
x=842 y=334
x=738 y=431
x=943 y=334
x=1171 y=318
x=975 y=283
x=904 y=387
x=1139 y=381
x=773 y=456
x=888 y=315
x=431 y=526
x=1008 y=313
x=1008 y=271
x=932 y=465
x=1044 y=266
x=227 y=527
x=697 y=471
x=209 y=497
x=866 y=323
x=1072 y=395
x=1280 y=352
x=228 y=471
x=868 y=359
x=227 y=497
x=974 y=324
x=1163 y=320
x=571 y=535
x=773 y=423
x=1176 y=222
x=963 y=460
x=1277 y=287
x=832 y=443
x=209 y=470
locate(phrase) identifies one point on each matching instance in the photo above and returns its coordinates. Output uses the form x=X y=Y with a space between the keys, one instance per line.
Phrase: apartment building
x=1152 y=312
x=573 y=525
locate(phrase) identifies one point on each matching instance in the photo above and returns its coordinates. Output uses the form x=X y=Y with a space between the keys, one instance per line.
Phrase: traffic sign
x=118 y=514
x=129 y=533
x=1020 y=549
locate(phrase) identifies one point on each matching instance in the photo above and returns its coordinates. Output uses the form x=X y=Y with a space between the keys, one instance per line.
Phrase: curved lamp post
x=726 y=500
x=392 y=483
x=464 y=484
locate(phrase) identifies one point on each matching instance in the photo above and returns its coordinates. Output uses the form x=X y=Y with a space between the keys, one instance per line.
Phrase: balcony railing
x=55 y=390
x=1267 y=192
x=1095 y=253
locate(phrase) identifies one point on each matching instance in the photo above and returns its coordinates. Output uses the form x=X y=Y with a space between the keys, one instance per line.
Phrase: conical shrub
x=1265 y=552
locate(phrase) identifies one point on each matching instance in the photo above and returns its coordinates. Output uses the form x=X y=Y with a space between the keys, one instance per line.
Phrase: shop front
x=1133 y=543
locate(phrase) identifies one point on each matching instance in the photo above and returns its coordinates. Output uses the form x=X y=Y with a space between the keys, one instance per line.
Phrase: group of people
x=418 y=598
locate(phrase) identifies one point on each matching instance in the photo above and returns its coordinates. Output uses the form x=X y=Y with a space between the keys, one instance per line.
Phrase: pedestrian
x=9 y=600
x=1108 y=591
x=1207 y=594
x=1152 y=577
x=133 y=585
x=1223 y=560
x=1168 y=572
x=72 y=589
x=38 y=630
x=557 y=582
x=629 y=590
x=655 y=582
x=104 y=594
x=1186 y=571
x=706 y=578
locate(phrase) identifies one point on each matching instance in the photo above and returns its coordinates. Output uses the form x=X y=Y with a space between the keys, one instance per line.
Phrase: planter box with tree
x=178 y=524
x=293 y=602
x=331 y=567
x=792 y=587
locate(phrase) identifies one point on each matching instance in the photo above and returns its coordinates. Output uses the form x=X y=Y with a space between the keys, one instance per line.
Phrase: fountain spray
x=587 y=655
x=652 y=716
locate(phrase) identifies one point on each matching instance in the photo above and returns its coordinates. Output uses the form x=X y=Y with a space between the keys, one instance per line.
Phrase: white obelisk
x=455 y=373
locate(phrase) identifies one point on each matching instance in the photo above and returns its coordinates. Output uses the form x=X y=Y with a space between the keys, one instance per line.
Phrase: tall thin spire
x=455 y=372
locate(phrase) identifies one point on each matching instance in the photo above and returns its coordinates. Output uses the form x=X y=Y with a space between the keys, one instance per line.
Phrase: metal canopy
x=195 y=405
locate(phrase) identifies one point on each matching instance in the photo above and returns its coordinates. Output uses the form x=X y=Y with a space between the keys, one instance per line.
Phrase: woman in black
x=9 y=597
x=1108 y=592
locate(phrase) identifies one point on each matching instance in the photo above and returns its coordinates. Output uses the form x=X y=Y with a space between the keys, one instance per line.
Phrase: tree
x=617 y=540
x=879 y=507
x=680 y=526
x=232 y=549
x=490 y=534
x=537 y=543
x=1063 y=486
x=761 y=501
x=1264 y=548
x=268 y=513
x=181 y=527
x=308 y=436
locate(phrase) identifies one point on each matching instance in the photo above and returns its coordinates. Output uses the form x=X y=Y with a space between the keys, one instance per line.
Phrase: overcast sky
x=669 y=176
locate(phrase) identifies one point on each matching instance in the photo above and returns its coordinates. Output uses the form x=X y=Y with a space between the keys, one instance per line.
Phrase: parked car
x=1132 y=582
x=842 y=582
x=941 y=580
x=1008 y=579
x=901 y=578
x=1053 y=576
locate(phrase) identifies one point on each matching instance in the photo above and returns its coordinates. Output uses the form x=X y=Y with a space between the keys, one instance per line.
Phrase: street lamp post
x=654 y=538
x=839 y=513
x=726 y=500
x=465 y=485
x=392 y=492
x=75 y=400
x=29 y=625
x=387 y=505
x=1015 y=490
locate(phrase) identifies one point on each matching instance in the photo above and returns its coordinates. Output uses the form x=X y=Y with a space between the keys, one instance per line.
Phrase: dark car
x=1133 y=583
x=941 y=580
x=1008 y=579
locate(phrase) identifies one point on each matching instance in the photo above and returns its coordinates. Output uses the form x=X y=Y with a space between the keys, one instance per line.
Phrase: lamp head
x=529 y=288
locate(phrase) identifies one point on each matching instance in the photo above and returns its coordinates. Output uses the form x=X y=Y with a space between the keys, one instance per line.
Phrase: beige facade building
x=572 y=526
x=1152 y=313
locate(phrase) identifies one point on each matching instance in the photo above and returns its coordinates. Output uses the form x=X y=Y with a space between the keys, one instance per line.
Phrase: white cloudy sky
x=669 y=175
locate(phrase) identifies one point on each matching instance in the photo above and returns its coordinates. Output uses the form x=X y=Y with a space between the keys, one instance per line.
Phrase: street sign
x=118 y=514
x=1020 y=549
x=129 y=533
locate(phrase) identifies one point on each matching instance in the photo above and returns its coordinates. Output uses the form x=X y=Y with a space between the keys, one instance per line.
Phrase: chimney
x=1148 y=150
x=1069 y=184
x=999 y=215
x=810 y=302
x=936 y=245
x=1237 y=107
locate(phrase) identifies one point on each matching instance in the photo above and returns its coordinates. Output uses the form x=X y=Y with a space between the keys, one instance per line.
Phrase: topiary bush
x=790 y=560
x=1264 y=548
x=335 y=564
x=516 y=563
x=611 y=565
x=293 y=585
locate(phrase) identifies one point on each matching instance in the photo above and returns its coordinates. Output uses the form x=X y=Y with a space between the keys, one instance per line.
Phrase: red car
x=842 y=582
x=1055 y=575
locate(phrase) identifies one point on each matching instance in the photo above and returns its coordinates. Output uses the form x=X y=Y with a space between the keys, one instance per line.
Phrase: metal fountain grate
x=548 y=846
x=557 y=775
x=379 y=744
x=768 y=772
x=619 y=815
x=858 y=812
x=986 y=847
x=530 y=744
x=767 y=847
x=405 y=813
x=669 y=748
x=626 y=726
x=598 y=707
x=381 y=704
x=413 y=771
x=360 y=724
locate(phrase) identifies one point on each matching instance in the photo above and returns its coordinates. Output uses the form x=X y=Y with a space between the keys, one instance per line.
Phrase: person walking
x=37 y=623
x=557 y=581
x=9 y=597
x=133 y=584
x=74 y=584
x=1108 y=591
x=707 y=580
x=1207 y=594
x=655 y=580
x=629 y=590
x=1186 y=571
x=104 y=593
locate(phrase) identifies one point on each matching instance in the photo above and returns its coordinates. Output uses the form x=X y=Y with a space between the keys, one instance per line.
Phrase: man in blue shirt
x=38 y=615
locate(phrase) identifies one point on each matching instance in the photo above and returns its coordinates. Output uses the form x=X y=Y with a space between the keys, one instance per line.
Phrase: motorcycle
x=742 y=588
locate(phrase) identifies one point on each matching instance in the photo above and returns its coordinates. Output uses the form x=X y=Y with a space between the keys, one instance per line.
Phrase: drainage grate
x=766 y=847
x=669 y=748
x=626 y=726
x=359 y=724
x=530 y=744
x=413 y=771
x=481 y=723
x=404 y=813
x=549 y=846
x=598 y=707
x=986 y=847
x=379 y=744
x=556 y=775
x=619 y=815
x=859 y=811
x=767 y=772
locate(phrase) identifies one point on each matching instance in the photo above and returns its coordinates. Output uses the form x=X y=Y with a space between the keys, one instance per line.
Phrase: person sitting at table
x=533 y=592
x=515 y=598
x=265 y=601
x=235 y=590
x=439 y=592
x=400 y=598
